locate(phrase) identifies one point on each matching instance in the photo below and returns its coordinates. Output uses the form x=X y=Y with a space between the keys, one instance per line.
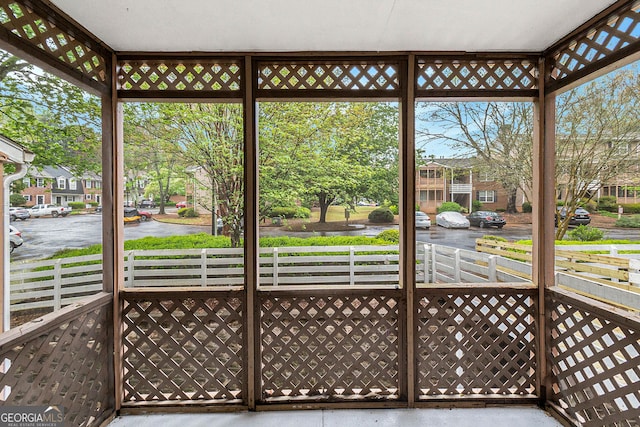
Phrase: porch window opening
x=473 y=171
x=596 y=183
x=55 y=237
x=183 y=194
x=328 y=199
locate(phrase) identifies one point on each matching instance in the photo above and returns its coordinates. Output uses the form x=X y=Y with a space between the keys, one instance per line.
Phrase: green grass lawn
x=336 y=214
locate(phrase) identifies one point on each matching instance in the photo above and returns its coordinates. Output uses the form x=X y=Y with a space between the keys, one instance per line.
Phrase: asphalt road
x=45 y=236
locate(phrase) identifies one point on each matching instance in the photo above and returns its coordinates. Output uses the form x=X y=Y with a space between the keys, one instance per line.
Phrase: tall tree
x=210 y=137
x=597 y=128
x=151 y=151
x=322 y=152
x=498 y=134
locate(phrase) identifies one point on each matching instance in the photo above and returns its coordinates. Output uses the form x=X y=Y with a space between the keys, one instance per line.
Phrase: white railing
x=461 y=188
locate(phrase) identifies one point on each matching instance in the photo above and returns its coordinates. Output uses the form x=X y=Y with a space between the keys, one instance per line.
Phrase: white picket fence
x=56 y=283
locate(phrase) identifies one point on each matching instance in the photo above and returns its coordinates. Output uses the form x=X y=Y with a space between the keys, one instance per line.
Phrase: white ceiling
x=330 y=25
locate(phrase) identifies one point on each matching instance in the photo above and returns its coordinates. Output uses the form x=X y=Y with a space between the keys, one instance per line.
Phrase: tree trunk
x=512 y=195
x=325 y=201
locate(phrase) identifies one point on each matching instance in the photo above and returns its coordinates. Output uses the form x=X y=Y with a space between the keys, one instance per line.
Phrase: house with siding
x=58 y=185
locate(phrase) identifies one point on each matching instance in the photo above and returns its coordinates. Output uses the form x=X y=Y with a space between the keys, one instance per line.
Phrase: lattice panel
x=67 y=366
x=329 y=347
x=178 y=348
x=598 y=42
x=475 y=344
x=594 y=362
x=323 y=76
x=476 y=75
x=43 y=33
x=179 y=75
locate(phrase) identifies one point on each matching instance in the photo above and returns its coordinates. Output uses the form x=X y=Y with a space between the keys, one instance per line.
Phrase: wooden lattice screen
x=606 y=41
x=593 y=353
x=476 y=342
x=333 y=346
x=324 y=78
x=186 y=77
x=182 y=347
x=440 y=76
x=55 y=37
x=62 y=360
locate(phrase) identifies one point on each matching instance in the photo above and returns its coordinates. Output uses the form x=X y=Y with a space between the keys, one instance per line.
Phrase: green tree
x=210 y=136
x=324 y=152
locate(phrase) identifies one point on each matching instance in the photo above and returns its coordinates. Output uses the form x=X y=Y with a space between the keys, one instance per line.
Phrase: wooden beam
x=251 y=244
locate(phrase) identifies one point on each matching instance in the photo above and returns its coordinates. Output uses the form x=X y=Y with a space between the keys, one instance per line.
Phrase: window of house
x=40 y=182
x=87 y=196
x=423 y=173
x=87 y=183
x=485 y=176
x=28 y=197
x=62 y=183
x=40 y=199
x=487 y=196
x=26 y=181
x=97 y=184
x=73 y=185
x=423 y=195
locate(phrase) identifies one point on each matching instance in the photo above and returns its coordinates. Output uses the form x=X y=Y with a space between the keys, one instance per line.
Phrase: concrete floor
x=518 y=416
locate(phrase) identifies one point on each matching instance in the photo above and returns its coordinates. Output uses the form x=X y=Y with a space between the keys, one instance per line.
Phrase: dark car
x=580 y=216
x=146 y=204
x=484 y=219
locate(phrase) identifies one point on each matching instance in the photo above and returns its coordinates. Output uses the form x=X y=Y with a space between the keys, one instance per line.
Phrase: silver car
x=452 y=220
x=422 y=220
x=15 y=238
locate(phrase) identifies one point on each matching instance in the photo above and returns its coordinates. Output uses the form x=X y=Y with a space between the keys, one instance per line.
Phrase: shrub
x=181 y=212
x=608 y=203
x=394 y=209
x=631 y=208
x=94 y=204
x=17 y=200
x=381 y=215
x=391 y=235
x=290 y=212
x=526 y=207
x=476 y=205
x=77 y=205
x=449 y=207
x=586 y=233
x=190 y=213
x=495 y=238
x=629 y=221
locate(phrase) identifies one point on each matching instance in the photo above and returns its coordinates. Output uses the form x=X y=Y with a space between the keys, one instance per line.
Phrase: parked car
x=131 y=215
x=452 y=220
x=144 y=215
x=484 y=219
x=182 y=204
x=422 y=220
x=15 y=237
x=580 y=216
x=146 y=204
x=19 y=213
x=53 y=210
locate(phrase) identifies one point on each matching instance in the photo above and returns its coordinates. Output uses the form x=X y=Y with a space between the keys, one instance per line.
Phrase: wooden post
x=493 y=265
x=275 y=266
x=543 y=262
x=203 y=267
x=456 y=263
x=352 y=265
x=57 y=285
x=425 y=261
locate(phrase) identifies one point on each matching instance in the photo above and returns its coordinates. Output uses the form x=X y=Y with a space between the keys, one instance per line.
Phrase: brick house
x=58 y=185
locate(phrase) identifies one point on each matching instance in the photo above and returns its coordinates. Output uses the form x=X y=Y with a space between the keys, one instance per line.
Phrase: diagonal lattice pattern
x=323 y=76
x=594 y=363
x=600 y=41
x=179 y=75
x=475 y=344
x=67 y=366
x=329 y=347
x=178 y=348
x=43 y=33
x=475 y=75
